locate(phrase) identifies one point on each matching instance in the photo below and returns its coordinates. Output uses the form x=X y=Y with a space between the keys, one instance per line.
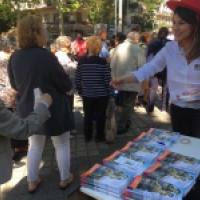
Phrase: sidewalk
x=83 y=156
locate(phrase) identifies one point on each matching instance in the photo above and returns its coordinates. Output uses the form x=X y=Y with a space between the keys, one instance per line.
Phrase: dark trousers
x=71 y=103
x=185 y=120
x=128 y=102
x=153 y=88
x=98 y=106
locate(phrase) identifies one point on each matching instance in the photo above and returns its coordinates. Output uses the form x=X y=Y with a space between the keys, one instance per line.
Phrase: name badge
x=197 y=67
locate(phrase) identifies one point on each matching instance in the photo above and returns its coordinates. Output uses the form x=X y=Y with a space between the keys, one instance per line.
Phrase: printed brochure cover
x=140 y=150
x=127 y=162
x=105 y=177
x=161 y=142
x=162 y=132
x=180 y=161
x=171 y=175
x=153 y=189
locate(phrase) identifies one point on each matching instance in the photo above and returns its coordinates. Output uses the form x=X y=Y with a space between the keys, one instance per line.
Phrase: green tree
x=101 y=11
x=7 y=18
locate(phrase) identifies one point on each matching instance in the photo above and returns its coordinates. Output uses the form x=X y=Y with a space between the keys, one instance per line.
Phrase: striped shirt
x=93 y=77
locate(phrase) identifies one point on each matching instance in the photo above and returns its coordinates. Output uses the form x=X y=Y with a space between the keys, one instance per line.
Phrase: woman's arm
x=157 y=64
x=14 y=127
x=61 y=79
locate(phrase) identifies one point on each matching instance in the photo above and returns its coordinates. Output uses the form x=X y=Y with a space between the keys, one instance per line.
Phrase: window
x=47 y=17
x=56 y=17
x=79 y=17
x=65 y=17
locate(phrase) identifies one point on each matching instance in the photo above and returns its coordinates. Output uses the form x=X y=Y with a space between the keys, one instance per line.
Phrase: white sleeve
x=157 y=64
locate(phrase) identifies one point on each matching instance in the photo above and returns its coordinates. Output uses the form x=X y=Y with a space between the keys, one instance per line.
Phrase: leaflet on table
x=149 y=153
x=161 y=142
x=180 y=161
x=103 y=190
x=127 y=162
x=136 y=197
x=171 y=175
x=153 y=189
x=103 y=177
x=162 y=132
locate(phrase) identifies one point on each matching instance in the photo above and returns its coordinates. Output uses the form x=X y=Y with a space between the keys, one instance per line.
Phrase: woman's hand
x=46 y=98
x=118 y=82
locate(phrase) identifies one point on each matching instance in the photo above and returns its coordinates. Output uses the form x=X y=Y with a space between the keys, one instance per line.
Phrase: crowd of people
x=101 y=73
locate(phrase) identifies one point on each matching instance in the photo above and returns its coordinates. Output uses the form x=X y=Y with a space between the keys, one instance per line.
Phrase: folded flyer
x=190 y=95
x=162 y=132
x=107 y=178
x=153 y=189
x=171 y=175
x=140 y=150
x=161 y=142
x=180 y=161
x=127 y=162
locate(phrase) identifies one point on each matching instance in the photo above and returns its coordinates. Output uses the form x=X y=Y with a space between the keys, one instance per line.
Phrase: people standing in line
x=69 y=64
x=145 y=39
x=80 y=46
x=13 y=127
x=93 y=84
x=127 y=57
x=182 y=59
x=152 y=49
x=8 y=44
x=104 y=53
x=34 y=67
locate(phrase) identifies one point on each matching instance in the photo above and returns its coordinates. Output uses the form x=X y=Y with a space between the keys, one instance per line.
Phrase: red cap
x=190 y=4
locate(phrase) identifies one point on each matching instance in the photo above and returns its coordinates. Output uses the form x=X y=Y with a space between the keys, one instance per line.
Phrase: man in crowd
x=80 y=45
x=126 y=58
x=105 y=51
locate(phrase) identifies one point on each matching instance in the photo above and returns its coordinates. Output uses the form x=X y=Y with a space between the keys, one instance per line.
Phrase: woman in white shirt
x=182 y=58
x=69 y=64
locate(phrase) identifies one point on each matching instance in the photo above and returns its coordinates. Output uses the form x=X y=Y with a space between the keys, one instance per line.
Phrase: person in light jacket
x=126 y=58
x=13 y=127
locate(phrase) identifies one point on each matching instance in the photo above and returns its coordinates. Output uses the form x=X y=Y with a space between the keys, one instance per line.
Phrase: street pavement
x=83 y=156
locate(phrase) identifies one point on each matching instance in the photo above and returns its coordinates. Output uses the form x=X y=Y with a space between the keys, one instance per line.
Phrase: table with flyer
x=158 y=165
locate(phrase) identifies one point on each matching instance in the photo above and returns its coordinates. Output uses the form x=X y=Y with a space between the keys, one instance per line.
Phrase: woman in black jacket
x=34 y=67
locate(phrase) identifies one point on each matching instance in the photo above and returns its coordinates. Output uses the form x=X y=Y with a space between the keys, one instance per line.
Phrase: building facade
x=163 y=16
x=72 y=21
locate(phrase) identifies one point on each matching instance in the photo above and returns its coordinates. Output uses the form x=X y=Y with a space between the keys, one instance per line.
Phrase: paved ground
x=83 y=156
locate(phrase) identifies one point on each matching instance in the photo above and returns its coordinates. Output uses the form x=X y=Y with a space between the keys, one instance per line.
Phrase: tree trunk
x=61 y=28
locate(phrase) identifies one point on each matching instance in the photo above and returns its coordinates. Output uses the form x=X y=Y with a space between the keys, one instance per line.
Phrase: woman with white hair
x=69 y=64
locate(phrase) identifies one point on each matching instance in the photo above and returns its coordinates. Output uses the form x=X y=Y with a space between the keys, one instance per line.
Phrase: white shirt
x=181 y=76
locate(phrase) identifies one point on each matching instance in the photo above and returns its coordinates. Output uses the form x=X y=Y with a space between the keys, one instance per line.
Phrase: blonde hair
x=26 y=30
x=63 y=41
x=94 y=45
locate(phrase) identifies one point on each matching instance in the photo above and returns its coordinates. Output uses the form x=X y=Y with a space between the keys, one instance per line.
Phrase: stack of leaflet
x=179 y=161
x=140 y=150
x=152 y=189
x=106 y=180
x=127 y=162
x=162 y=132
x=171 y=175
x=160 y=141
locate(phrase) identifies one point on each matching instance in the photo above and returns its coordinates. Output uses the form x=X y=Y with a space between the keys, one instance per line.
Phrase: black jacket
x=36 y=67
